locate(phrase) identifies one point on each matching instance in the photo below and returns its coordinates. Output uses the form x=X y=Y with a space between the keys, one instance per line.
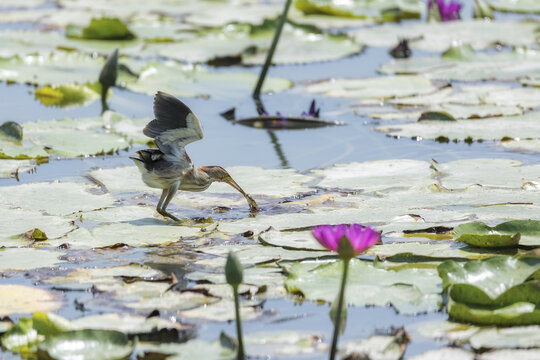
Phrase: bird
x=169 y=167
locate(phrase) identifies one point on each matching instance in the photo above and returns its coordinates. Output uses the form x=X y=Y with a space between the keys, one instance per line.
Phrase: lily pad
x=494 y=281
x=444 y=354
x=439 y=36
x=503 y=173
x=518 y=6
x=410 y=291
x=498 y=338
x=473 y=67
x=375 y=347
x=268 y=182
x=297 y=45
x=187 y=80
x=519 y=313
x=507 y=234
x=59 y=198
x=125 y=323
x=295 y=240
x=494 y=128
x=87 y=344
x=104 y=28
x=27 y=259
x=529 y=354
x=65 y=95
x=394 y=10
x=8 y=168
x=374 y=88
x=20 y=299
x=190 y=349
x=137 y=234
x=376 y=175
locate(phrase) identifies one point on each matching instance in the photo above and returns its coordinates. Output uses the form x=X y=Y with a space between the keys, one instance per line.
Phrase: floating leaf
x=375 y=347
x=299 y=44
x=497 y=338
x=439 y=36
x=519 y=313
x=20 y=299
x=9 y=168
x=394 y=10
x=410 y=291
x=54 y=197
x=87 y=344
x=27 y=259
x=105 y=28
x=185 y=80
x=65 y=95
x=445 y=353
x=374 y=88
x=507 y=234
x=495 y=281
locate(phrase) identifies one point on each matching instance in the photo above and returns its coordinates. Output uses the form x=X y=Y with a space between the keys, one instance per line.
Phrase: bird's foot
x=169 y=215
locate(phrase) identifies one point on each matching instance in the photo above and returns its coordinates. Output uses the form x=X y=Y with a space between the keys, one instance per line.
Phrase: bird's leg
x=161 y=199
x=170 y=194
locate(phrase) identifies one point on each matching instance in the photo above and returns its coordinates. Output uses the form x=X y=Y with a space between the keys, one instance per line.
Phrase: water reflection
x=279 y=151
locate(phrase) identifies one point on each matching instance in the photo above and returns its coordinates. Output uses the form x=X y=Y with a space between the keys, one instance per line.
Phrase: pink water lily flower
x=448 y=12
x=360 y=237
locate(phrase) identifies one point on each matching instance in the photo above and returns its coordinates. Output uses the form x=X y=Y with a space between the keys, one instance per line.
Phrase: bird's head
x=217 y=173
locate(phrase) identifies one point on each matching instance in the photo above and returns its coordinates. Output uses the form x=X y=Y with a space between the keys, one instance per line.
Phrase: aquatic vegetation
x=348 y=242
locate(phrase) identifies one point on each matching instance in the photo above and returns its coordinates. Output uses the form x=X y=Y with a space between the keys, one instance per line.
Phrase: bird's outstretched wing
x=175 y=124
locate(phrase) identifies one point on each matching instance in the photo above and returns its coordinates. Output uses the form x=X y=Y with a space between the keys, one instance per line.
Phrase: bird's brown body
x=169 y=167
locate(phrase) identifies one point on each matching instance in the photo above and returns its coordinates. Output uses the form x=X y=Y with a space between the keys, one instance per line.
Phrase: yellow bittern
x=169 y=167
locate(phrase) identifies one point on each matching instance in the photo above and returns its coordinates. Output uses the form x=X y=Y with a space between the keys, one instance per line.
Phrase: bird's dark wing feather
x=175 y=124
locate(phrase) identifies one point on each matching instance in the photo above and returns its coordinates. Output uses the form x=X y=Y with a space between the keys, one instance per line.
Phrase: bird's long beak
x=253 y=208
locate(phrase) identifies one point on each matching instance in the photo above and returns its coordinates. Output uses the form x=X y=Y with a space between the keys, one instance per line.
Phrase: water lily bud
x=345 y=249
x=482 y=10
x=233 y=270
x=109 y=73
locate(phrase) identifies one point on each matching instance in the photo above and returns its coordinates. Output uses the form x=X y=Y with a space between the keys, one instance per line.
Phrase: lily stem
x=277 y=34
x=240 y=355
x=337 y=321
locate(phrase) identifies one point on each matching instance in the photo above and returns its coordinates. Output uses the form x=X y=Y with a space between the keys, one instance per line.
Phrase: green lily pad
x=495 y=281
x=20 y=299
x=527 y=146
x=297 y=45
x=224 y=311
x=269 y=182
x=88 y=344
x=137 y=234
x=447 y=330
x=294 y=240
x=445 y=353
x=8 y=168
x=27 y=259
x=249 y=255
x=374 y=347
x=186 y=80
x=190 y=349
x=21 y=338
x=97 y=276
x=54 y=197
x=105 y=28
x=65 y=95
x=439 y=36
x=510 y=354
x=519 y=313
x=380 y=10
x=514 y=337
x=125 y=323
x=507 y=234
x=503 y=173
x=517 y=6
x=376 y=175
x=437 y=251
x=223 y=13
x=374 y=88
x=521 y=63
x=410 y=291
x=494 y=128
